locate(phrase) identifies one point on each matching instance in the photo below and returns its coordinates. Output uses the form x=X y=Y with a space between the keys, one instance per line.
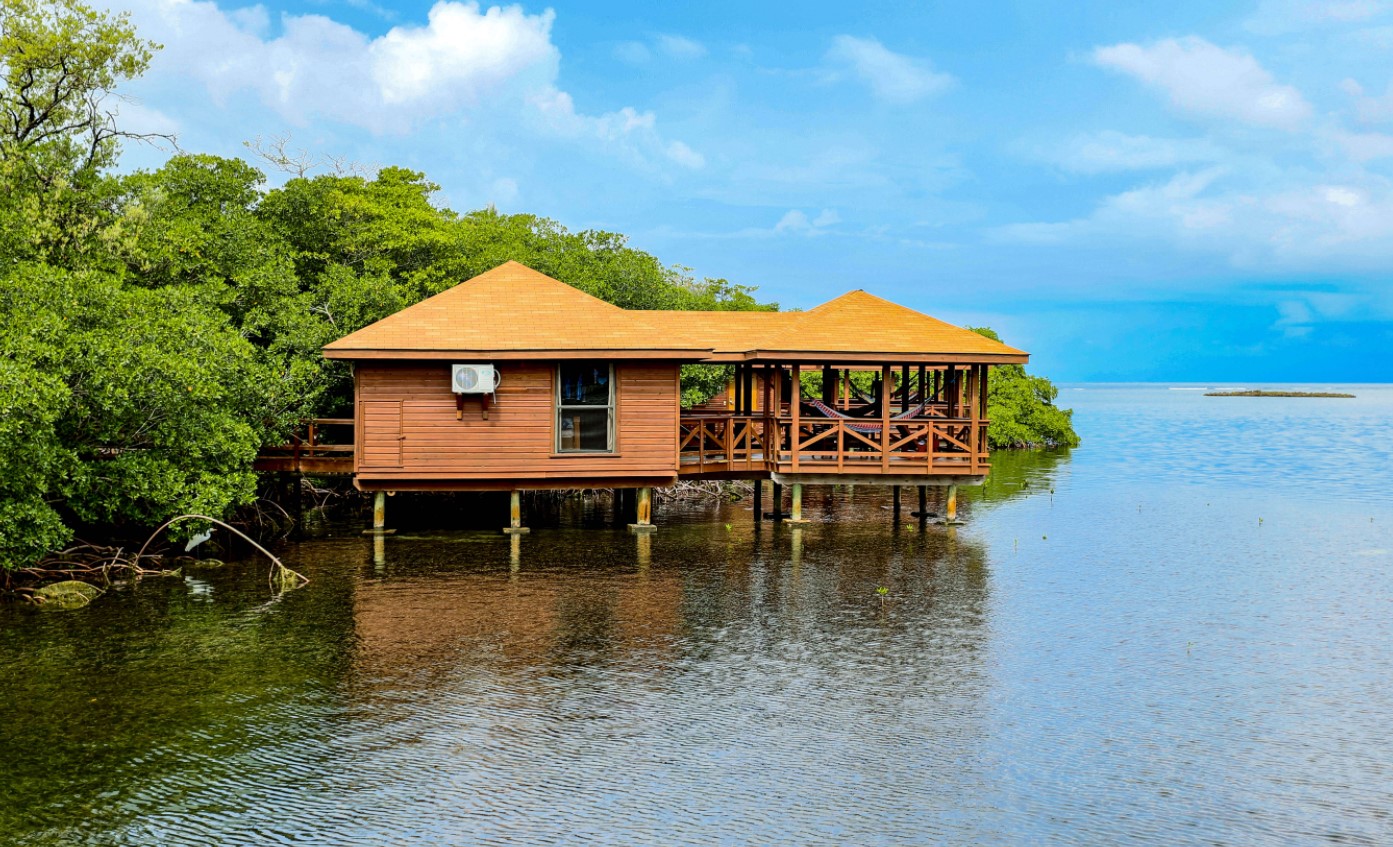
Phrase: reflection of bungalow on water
x=515 y=381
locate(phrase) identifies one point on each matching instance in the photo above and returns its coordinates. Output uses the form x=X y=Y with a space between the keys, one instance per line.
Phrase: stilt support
x=897 y=503
x=796 y=511
x=923 y=512
x=644 y=512
x=379 y=515
x=778 y=504
x=950 y=511
x=515 y=526
x=759 y=501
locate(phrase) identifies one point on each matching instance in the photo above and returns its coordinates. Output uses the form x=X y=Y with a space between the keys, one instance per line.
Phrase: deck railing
x=928 y=444
x=308 y=451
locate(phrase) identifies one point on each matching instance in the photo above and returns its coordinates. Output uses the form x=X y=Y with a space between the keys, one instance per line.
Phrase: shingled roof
x=514 y=312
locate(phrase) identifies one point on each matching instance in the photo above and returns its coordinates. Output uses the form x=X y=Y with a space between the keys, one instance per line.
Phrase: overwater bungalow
x=514 y=381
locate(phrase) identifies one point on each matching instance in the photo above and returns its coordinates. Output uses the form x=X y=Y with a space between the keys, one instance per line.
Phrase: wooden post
x=829 y=385
x=923 y=385
x=778 y=513
x=986 y=369
x=796 y=511
x=379 y=515
x=904 y=386
x=759 y=501
x=950 y=511
x=950 y=392
x=515 y=526
x=923 y=512
x=897 y=503
x=885 y=372
x=795 y=402
x=974 y=409
x=644 y=512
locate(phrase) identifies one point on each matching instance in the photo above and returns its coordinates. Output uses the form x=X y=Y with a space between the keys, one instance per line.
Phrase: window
x=585 y=407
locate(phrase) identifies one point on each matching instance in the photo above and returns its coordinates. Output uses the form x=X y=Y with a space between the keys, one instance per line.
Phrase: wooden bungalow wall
x=406 y=414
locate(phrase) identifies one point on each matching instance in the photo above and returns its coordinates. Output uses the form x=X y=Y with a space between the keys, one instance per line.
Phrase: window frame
x=558 y=407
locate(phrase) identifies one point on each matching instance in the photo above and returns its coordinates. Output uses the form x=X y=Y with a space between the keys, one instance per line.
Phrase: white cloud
x=1110 y=151
x=632 y=52
x=684 y=155
x=1204 y=79
x=1306 y=224
x=373 y=9
x=1278 y=17
x=1370 y=109
x=673 y=46
x=1363 y=146
x=466 y=64
x=796 y=222
x=679 y=47
x=892 y=77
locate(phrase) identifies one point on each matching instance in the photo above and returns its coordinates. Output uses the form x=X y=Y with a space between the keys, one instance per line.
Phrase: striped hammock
x=857 y=424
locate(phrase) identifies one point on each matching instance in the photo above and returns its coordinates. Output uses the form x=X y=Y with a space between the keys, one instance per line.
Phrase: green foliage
x=1021 y=408
x=702 y=382
x=120 y=405
x=60 y=62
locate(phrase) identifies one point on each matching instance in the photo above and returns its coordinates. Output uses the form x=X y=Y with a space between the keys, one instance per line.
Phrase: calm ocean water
x=1179 y=633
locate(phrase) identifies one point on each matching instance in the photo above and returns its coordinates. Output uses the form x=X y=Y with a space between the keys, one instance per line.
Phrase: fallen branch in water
x=280 y=577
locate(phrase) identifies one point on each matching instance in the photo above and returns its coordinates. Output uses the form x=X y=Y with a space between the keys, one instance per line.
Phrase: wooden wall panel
x=518 y=439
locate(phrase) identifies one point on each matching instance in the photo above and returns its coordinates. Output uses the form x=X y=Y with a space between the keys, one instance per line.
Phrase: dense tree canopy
x=1021 y=408
x=157 y=328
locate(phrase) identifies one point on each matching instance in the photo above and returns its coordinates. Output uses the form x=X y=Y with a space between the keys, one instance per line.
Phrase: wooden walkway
x=322 y=447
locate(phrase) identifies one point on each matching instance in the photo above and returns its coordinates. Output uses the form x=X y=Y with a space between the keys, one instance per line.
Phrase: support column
x=897 y=503
x=644 y=512
x=759 y=501
x=379 y=515
x=923 y=512
x=515 y=526
x=796 y=511
x=950 y=511
x=778 y=497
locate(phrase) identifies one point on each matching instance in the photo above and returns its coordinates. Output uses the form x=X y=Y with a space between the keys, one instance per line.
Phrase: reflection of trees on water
x=1019 y=473
x=119 y=717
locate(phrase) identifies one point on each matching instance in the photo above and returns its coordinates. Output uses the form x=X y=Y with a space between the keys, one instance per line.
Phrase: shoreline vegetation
x=1259 y=392
x=159 y=327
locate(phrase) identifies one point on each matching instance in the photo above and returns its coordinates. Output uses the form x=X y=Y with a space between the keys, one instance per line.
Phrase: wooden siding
x=409 y=431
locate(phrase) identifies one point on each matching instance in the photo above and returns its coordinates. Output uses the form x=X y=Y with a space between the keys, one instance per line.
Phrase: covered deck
x=922 y=422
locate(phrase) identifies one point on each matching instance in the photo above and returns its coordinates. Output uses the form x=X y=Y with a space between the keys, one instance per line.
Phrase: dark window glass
x=585 y=384
x=585 y=408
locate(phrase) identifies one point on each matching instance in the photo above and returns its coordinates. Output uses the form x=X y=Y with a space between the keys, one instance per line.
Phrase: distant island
x=1261 y=393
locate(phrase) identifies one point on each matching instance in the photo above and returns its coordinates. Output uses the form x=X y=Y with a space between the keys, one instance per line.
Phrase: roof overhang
x=517 y=355
x=882 y=358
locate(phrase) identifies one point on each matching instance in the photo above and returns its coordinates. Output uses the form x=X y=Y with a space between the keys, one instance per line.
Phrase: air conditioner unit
x=474 y=379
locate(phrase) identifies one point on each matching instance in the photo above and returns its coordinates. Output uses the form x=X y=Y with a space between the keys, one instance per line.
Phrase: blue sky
x=1183 y=191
